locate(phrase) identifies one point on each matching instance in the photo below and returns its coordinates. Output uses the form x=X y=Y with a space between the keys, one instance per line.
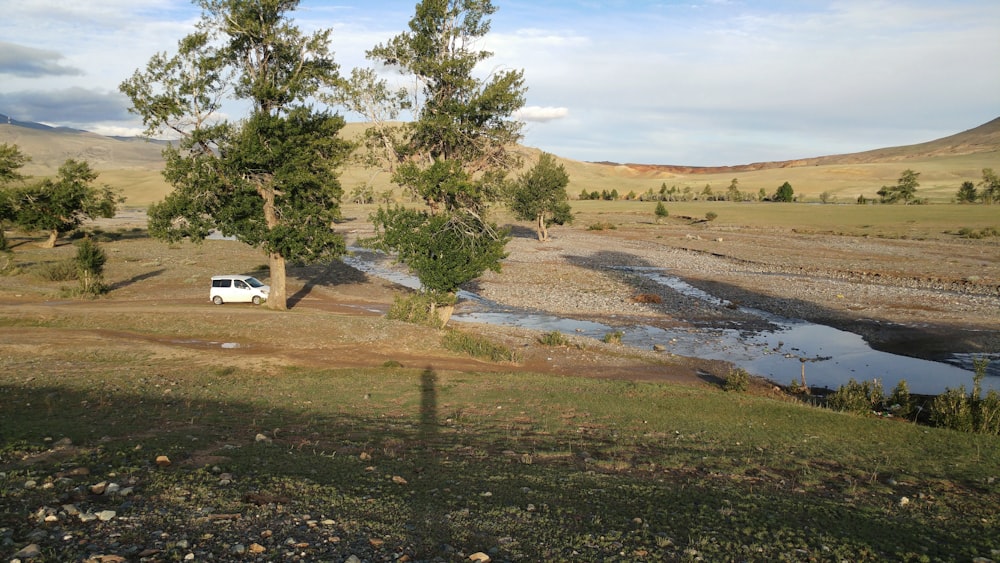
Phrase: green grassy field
x=445 y=464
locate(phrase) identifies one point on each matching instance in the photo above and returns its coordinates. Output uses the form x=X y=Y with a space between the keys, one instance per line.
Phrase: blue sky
x=701 y=82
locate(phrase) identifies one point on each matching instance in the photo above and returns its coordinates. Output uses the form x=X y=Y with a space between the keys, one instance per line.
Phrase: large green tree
x=60 y=205
x=539 y=195
x=270 y=179
x=456 y=152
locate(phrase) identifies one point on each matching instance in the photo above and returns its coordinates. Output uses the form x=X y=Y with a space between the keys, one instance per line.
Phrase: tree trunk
x=444 y=312
x=277 y=299
x=51 y=241
x=543 y=233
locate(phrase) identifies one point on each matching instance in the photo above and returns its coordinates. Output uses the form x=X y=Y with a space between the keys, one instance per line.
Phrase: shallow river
x=828 y=356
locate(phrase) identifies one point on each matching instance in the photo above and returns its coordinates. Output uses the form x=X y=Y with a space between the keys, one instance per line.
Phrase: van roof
x=231 y=276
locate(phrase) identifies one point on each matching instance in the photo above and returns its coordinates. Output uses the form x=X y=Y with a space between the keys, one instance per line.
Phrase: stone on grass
x=29 y=551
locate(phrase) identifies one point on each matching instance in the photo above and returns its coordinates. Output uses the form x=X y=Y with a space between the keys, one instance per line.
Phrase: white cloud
x=701 y=83
x=541 y=114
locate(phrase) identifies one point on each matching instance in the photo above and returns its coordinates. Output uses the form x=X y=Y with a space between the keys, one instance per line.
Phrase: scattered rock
x=106 y=515
x=162 y=460
x=398 y=480
x=480 y=557
x=261 y=438
x=29 y=551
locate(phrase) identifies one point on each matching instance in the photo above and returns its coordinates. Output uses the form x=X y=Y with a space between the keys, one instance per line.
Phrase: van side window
x=240 y=285
x=221 y=283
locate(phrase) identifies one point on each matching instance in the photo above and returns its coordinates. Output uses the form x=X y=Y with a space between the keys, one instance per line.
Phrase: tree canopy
x=57 y=205
x=539 y=195
x=455 y=154
x=784 y=193
x=905 y=189
x=61 y=205
x=989 y=191
x=270 y=179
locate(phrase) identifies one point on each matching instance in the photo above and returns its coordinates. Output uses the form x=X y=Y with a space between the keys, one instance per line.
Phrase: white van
x=238 y=289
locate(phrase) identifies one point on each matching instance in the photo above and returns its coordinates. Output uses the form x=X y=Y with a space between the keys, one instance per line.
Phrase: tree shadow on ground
x=331 y=274
x=136 y=279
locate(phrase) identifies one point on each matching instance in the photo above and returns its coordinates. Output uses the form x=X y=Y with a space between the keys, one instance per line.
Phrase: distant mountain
x=49 y=147
x=39 y=126
x=135 y=165
x=985 y=138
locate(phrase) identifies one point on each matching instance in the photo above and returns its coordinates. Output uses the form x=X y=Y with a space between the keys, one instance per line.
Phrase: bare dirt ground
x=920 y=298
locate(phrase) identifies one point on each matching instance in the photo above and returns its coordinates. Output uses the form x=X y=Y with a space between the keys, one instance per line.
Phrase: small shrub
x=969 y=233
x=7 y=265
x=952 y=409
x=858 y=398
x=647 y=298
x=900 y=401
x=613 y=337
x=478 y=347
x=711 y=216
x=417 y=308
x=602 y=226
x=661 y=211
x=737 y=380
x=987 y=415
x=64 y=270
x=391 y=364
x=90 y=260
x=554 y=338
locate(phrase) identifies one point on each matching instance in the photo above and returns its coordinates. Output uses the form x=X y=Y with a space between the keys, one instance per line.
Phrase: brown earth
x=912 y=297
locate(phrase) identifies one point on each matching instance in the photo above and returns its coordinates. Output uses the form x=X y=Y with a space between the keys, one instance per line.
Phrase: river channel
x=827 y=356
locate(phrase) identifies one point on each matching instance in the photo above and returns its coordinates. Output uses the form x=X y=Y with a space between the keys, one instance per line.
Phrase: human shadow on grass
x=403 y=469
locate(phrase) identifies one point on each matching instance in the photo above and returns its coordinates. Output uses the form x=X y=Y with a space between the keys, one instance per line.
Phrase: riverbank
x=895 y=305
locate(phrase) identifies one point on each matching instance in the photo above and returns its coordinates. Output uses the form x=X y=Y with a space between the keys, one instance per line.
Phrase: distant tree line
x=904 y=191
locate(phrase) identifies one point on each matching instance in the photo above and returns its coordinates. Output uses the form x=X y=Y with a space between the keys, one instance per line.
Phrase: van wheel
x=256 y=300
x=217 y=300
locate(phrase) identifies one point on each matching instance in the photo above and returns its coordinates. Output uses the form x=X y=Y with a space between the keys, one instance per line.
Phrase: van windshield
x=254 y=282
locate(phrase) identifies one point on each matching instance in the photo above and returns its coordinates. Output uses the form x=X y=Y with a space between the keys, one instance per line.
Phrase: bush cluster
x=737 y=380
x=969 y=413
x=418 y=308
x=553 y=338
x=63 y=270
x=953 y=409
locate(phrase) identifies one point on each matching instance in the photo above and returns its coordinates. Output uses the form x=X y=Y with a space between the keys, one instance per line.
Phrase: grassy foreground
x=399 y=464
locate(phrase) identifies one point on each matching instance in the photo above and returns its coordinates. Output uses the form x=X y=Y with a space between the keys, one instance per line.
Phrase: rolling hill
x=134 y=166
